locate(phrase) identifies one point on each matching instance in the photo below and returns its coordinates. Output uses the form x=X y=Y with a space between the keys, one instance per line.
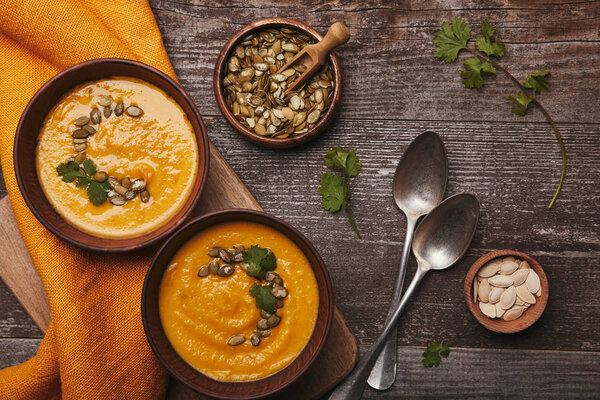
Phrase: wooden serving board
x=223 y=190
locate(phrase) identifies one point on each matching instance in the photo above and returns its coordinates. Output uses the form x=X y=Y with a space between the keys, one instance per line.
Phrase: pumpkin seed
x=79 y=158
x=264 y=333
x=117 y=200
x=105 y=101
x=262 y=324
x=239 y=248
x=273 y=321
x=255 y=339
x=475 y=289
x=113 y=182
x=91 y=130
x=500 y=281
x=130 y=195
x=95 y=116
x=508 y=298
x=513 y=313
x=79 y=147
x=265 y=314
x=80 y=133
x=533 y=282
x=214 y=251
x=107 y=112
x=138 y=185
x=100 y=176
x=239 y=257
x=224 y=255
x=81 y=121
x=499 y=310
x=489 y=269
x=134 y=111
x=279 y=292
x=484 y=290
x=145 y=196
x=126 y=182
x=213 y=267
x=495 y=294
x=225 y=270
x=525 y=295
x=488 y=309
x=508 y=267
x=77 y=140
x=119 y=108
x=278 y=303
x=203 y=271
x=236 y=340
x=122 y=190
x=519 y=276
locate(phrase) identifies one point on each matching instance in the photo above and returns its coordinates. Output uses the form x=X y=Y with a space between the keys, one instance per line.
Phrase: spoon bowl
x=444 y=235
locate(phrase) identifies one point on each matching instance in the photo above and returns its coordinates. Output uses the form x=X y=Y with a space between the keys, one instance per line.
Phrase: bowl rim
x=328 y=289
x=229 y=46
x=491 y=324
x=19 y=133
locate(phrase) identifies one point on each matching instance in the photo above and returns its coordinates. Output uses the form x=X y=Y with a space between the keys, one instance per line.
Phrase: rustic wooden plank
x=16 y=351
x=511 y=167
x=14 y=320
x=388 y=68
x=532 y=374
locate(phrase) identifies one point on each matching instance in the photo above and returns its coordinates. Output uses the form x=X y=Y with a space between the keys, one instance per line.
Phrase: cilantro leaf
x=472 y=77
x=259 y=260
x=97 y=192
x=346 y=160
x=264 y=299
x=432 y=356
x=333 y=191
x=451 y=39
x=69 y=171
x=537 y=81
x=83 y=182
x=485 y=43
x=71 y=176
x=520 y=103
x=89 y=167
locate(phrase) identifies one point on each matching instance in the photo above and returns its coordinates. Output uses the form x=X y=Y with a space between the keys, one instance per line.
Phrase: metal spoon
x=441 y=240
x=419 y=186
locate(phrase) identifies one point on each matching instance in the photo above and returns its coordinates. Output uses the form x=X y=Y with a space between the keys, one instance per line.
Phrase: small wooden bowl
x=182 y=371
x=27 y=135
x=218 y=85
x=497 y=324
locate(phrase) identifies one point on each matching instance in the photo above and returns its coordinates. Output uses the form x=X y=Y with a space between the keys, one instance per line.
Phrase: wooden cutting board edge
x=19 y=274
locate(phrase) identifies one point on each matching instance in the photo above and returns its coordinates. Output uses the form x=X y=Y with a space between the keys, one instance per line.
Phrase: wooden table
x=394 y=90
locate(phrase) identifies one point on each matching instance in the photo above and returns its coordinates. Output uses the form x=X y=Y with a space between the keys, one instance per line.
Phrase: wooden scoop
x=313 y=56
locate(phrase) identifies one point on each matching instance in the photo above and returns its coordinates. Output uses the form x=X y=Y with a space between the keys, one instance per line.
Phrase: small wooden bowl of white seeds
x=506 y=291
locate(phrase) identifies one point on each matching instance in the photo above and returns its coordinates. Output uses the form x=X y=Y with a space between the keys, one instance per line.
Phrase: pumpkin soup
x=117 y=157
x=240 y=314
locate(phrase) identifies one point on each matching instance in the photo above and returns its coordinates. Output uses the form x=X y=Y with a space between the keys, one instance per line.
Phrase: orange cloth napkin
x=95 y=346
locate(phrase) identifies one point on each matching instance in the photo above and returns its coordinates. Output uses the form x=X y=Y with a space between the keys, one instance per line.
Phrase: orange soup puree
x=159 y=147
x=199 y=314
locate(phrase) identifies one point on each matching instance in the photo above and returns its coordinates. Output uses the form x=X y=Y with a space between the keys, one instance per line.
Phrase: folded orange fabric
x=95 y=346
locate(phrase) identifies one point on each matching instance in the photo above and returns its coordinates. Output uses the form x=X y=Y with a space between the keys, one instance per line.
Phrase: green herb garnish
x=336 y=191
x=259 y=260
x=97 y=191
x=454 y=37
x=264 y=299
x=432 y=356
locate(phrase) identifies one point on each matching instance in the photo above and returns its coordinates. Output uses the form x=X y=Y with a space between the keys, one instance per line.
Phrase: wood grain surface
x=393 y=90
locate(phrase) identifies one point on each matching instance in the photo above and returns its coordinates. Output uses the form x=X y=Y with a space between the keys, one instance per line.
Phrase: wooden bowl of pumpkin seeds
x=506 y=291
x=175 y=364
x=27 y=136
x=250 y=86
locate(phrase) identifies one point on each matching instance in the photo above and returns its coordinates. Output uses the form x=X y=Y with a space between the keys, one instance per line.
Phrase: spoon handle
x=383 y=373
x=353 y=386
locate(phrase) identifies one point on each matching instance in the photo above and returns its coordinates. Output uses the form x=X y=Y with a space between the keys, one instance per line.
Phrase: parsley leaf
x=432 y=356
x=259 y=260
x=485 y=43
x=451 y=39
x=98 y=192
x=89 y=167
x=83 y=182
x=333 y=191
x=520 y=103
x=264 y=299
x=537 y=81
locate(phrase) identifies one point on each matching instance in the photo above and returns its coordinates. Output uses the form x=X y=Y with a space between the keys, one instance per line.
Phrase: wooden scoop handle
x=337 y=34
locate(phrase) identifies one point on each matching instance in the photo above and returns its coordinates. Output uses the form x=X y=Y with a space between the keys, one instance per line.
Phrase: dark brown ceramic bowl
x=218 y=85
x=529 y=316
x=182 y=371
x=28 y=131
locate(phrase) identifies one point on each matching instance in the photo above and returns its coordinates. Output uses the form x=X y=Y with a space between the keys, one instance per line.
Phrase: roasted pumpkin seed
x=225 y=270
x=134 y=111
x=81 y=121
x=145 y=196
x=203 y=271
x=95 y=116
x=236 y=340
x=119 y=108
x=100 y=176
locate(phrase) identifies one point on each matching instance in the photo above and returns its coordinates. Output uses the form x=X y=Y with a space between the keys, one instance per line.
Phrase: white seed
x=488 y=309
x=539 y=292
x=499 y=310
x=475 y=289
x=295 y=102
x=508 y=267
x=525 y=295
x=251 y=122
x=524 y=265
x=533 y=282
x=501 y=281
x=495 y=294
x=513 y=313
x=484 y=290
x=519 y=302
x=519 y=276
x=508 y=298
x=489 y=269
x=278 y=113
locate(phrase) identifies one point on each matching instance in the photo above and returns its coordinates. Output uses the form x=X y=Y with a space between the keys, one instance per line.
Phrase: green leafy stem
x=454 y=37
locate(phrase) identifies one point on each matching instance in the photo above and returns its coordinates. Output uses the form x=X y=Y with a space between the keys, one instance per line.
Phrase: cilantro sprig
x=259 y=260
x=96 y=191
x=432 y=356
x=264 y=299
x=335 y=190
x=454 y=36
